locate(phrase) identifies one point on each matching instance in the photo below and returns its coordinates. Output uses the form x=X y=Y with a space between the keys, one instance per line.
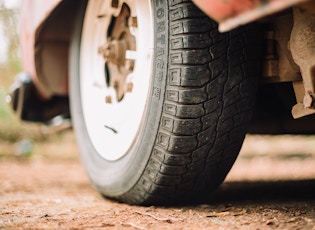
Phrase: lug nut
x=129 y=87
x=108 y=99
x=133 y=22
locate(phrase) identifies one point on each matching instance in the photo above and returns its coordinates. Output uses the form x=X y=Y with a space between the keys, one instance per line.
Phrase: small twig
x=168 y=220
x=133 y=225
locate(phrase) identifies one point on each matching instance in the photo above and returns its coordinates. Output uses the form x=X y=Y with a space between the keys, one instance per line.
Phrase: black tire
x=200 y=102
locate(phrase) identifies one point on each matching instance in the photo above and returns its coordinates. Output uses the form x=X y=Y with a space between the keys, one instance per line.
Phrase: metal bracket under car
x=302 y=46
x=21 y=98
x=53 y=113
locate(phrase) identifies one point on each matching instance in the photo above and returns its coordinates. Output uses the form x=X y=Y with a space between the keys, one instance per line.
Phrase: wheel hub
x=114 y=52
x=118 y=53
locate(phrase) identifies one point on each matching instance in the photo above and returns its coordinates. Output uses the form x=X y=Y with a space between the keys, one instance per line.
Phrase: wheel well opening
x=52 y=47
x=52 y=44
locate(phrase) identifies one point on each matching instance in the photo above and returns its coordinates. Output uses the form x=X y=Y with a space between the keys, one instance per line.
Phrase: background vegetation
x=10 y=126
x=18 y=138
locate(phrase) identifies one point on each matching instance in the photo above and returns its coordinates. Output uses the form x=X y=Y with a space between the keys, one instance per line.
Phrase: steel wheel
x=114 y=82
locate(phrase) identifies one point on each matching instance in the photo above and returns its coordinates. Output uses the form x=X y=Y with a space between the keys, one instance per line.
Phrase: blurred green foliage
x=11 y=128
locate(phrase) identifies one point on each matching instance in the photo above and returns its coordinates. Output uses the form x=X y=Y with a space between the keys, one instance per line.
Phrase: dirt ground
x=272 y=186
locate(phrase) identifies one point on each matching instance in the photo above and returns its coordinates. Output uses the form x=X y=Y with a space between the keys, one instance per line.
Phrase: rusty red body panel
x=233 y=13
x=30 y=24
x=47 y=32
x=229 y=13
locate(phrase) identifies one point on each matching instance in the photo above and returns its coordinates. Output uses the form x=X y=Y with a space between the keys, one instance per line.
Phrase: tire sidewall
x=115 y=178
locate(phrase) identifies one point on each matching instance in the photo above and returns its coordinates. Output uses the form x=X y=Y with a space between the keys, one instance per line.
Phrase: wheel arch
x=51 y=49
x=46 y=62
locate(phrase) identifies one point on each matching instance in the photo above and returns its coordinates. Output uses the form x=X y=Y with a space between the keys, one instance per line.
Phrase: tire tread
x=207 y=107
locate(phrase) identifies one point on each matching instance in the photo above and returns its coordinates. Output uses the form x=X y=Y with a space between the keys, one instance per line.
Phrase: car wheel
x=160 y=100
